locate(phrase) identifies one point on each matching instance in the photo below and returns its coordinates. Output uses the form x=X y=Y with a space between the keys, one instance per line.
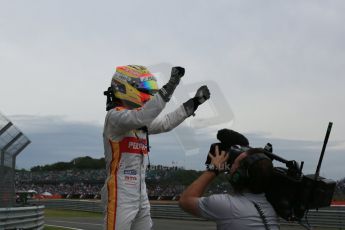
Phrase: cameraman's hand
x=189 y=200
x=202 y=95
x=219 y=160
x=168 y=89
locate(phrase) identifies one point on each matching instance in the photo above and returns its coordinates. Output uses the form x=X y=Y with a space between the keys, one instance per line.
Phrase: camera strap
x=262 y=215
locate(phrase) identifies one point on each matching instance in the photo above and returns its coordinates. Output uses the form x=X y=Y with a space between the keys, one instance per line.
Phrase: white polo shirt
x=237 y=212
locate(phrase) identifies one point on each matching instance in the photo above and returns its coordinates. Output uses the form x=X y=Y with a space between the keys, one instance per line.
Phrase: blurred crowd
x=87 y=184
x=339 y=193
x=92 y=176
x=163 y=183
x=341 y=185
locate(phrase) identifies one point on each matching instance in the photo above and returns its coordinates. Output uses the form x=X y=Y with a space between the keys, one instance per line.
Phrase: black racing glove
x=202 y=95
x=167 y=90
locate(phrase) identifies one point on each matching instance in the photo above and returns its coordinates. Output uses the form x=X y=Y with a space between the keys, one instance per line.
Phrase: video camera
x=291 y=193
x=230 y=141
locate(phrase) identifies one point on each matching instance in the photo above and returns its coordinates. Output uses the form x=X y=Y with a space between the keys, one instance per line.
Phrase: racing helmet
x=133 y=86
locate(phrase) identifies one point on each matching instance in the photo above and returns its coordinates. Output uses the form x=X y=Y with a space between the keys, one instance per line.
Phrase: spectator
x=247 y=208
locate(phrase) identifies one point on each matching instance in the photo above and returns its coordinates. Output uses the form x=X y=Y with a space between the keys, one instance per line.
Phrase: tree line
x=77 y=163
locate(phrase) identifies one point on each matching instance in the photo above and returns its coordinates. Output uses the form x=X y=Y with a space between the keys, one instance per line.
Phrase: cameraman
x=248 y=207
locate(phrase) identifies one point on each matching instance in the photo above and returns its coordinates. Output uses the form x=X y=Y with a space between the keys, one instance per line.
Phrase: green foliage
x=184 y=177
x=21 y=170
x=70 y=213
x=77 y=163
x=48 y=227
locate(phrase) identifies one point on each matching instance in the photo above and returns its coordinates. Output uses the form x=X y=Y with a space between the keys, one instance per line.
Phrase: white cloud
x=55 y=139
x=278 y=63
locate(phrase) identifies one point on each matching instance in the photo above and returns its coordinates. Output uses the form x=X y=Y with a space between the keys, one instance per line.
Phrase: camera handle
x=317 y=173
x=293 y=165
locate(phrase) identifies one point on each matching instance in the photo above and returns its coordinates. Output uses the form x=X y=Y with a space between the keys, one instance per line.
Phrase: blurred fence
x=332 y=217
x=12 y=142
x=7 y=195
x=22 y=218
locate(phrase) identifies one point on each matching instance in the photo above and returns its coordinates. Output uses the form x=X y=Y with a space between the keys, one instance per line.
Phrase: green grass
x=53 y=228
x=69 y=213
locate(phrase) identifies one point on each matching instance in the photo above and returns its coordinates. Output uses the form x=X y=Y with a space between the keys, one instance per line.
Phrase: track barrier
x=22 y=217
x=331 y=217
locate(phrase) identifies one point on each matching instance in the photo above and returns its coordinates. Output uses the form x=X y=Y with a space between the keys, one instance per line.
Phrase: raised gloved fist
x=168 y=89
x=177 y=71
x=202 y=94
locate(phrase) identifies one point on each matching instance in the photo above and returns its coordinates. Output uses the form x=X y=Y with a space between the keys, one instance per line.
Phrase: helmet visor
x=148 y=85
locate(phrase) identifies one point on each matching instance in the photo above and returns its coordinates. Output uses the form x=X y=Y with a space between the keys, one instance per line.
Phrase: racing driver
x=133 y=104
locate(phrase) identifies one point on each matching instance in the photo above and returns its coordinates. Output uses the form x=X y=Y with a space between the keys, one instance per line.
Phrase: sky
x=275 y=70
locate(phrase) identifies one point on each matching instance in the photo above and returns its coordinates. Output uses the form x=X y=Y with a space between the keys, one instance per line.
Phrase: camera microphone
x=229 y=138
x=229 y=142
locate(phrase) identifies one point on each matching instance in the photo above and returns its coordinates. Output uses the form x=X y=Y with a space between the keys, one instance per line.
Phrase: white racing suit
x=124 y=193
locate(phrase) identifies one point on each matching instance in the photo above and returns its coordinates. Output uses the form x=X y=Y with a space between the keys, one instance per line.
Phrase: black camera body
x=231 y=142
x=291 y=193
x=292 y=196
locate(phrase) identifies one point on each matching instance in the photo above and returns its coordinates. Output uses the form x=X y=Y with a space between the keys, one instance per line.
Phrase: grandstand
x=163 y=183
